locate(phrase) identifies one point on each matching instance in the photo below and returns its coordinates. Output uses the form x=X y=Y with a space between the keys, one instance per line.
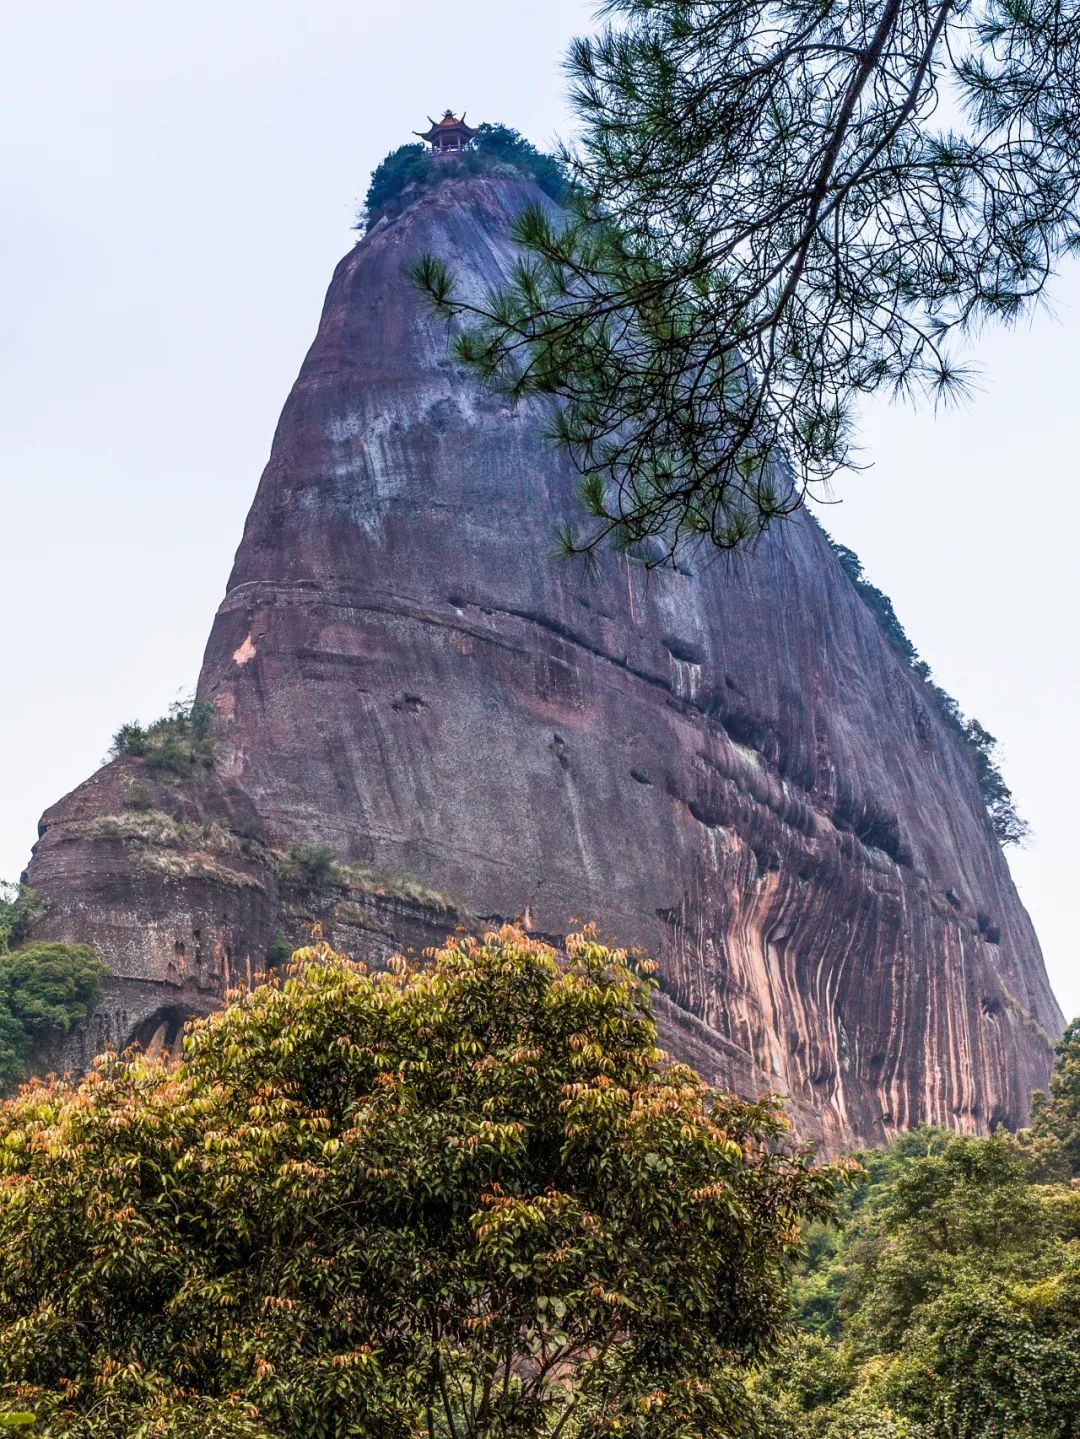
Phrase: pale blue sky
x=176 y=183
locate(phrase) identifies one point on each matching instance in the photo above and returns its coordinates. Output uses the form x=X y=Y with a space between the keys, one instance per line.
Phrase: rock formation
x=727 y=765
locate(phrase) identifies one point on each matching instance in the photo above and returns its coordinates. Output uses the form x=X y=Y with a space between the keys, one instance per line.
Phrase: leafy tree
x=495 y=144
x=404 y=168
x=1055 y=1117
x=468 y=1198
x=496 y=149
x=947 y=1308
x=45 y=989
x=780 y=207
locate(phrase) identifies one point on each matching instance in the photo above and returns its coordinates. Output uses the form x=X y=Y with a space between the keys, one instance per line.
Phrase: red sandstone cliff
x=729 y=766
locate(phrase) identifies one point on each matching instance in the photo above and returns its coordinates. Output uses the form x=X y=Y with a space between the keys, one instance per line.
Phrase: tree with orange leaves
x=464 y=1197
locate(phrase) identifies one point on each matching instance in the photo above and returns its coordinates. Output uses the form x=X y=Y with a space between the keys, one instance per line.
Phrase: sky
x=176 y=184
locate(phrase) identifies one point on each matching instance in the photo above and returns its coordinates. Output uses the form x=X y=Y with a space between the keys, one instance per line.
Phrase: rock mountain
x=727 y=765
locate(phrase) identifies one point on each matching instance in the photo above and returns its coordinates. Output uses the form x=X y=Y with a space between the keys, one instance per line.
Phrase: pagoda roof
x=448 y=125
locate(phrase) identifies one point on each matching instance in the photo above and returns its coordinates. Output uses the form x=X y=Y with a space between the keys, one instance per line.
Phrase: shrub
x=312 y=866
x=467 y=1198
x=497 y=150
x=45 y=989
x=180 y=743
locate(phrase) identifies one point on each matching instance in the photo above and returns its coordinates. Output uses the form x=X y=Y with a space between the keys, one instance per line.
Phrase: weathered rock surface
x=729 y=766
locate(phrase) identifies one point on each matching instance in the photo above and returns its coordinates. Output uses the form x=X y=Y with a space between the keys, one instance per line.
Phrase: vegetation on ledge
x=179 y=744
x=163 y=844
x=497 y=150
x=316 y=868
x=996 y=795
x=45 y=987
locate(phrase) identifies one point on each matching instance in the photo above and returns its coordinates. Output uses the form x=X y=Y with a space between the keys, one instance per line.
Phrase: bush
x=138 y=794
x=45 y=989
x=312 y=866
x=467 y=1198
x=180 y=743
x=497 y=150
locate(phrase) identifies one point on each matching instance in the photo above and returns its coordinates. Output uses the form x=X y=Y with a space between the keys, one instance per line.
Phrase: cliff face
x=727 y=765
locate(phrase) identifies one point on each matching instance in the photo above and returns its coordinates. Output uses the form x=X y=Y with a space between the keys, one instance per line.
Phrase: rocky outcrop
x=727 y=765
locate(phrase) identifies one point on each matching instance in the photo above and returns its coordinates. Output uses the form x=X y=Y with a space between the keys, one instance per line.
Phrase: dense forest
x=943 y=1300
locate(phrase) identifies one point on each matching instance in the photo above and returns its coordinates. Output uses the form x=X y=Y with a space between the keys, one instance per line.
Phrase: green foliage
x=1054 y=1137
x=460 y=1200
x=496 y=150
x=996 y=794
x=278 y=951
x=178 y=744
x=45 y=988
x=315 y=869
x=20 y=906
x=404 y=173
x=946 y=1307
x=780 y=207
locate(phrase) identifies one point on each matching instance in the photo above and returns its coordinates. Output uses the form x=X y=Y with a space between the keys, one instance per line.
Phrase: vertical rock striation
x=727 y=765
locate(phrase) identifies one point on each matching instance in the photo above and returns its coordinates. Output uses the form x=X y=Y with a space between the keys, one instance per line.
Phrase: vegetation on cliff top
x=497 y=150
x=996 y=795
x=462 y=1199
x=179 y=744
